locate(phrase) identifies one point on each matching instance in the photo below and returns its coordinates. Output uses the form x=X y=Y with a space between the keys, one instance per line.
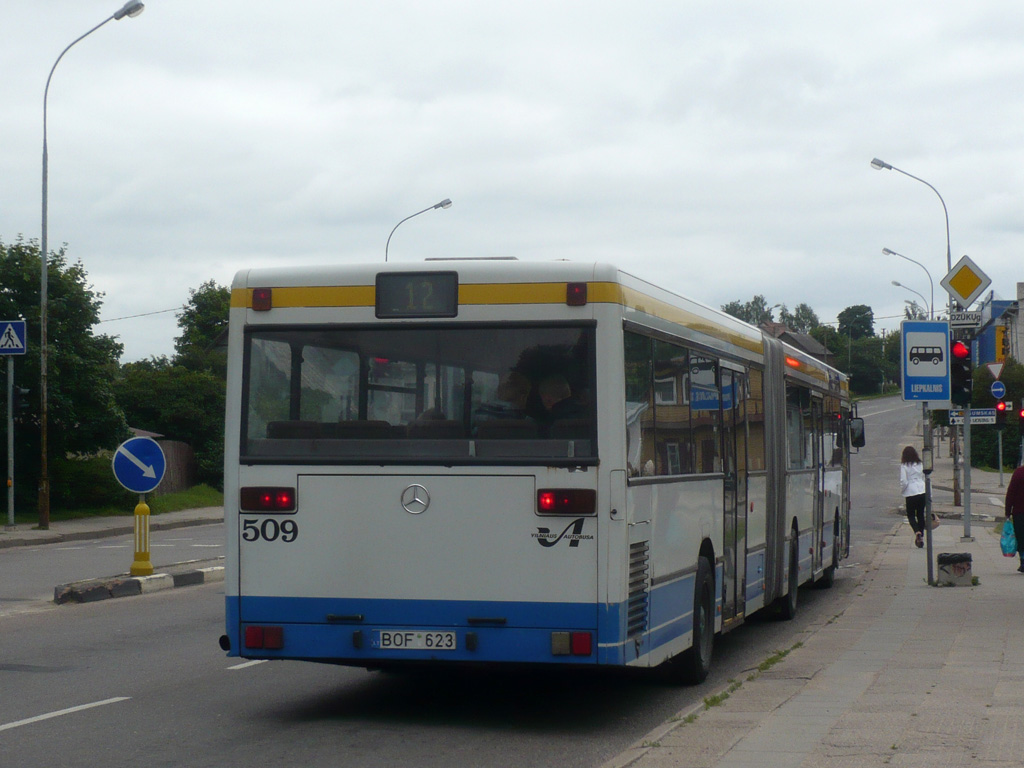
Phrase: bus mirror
x=857 y=433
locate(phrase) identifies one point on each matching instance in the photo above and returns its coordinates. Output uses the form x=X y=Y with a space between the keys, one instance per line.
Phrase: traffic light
x=21 y=401
x=1000 y=414
x=960 y=373
x=1020 y=416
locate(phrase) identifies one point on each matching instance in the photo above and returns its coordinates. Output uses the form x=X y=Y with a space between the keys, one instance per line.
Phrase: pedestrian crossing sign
x=12 y=337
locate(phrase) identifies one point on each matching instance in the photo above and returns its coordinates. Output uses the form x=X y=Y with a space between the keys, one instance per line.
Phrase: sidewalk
x=122 y=585
x=102 y=527
x=908 y=674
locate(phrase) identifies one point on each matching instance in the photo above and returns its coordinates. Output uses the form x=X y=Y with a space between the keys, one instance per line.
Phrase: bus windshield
x=441 y=394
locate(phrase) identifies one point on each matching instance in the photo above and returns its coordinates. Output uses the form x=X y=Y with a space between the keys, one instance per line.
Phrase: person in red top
x=1015 y=509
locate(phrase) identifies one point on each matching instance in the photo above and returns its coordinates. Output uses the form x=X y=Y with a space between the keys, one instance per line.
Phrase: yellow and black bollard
x=142 y=565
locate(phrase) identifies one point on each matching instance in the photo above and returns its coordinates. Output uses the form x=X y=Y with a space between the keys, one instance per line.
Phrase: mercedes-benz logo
x=415 y=499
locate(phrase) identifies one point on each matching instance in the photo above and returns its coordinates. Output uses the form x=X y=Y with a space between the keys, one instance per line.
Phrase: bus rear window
x=443 y=394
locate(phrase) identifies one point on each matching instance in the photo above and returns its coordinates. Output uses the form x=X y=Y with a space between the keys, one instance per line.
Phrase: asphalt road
x=160 y=692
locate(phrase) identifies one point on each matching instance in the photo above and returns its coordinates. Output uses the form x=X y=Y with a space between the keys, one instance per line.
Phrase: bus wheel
x=788 y=604
x=695 y=662
x=828 y=578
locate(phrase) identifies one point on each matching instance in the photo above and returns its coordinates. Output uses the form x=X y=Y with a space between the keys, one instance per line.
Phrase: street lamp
x=931 y=306
x=908 y=288
x=880 y=164
x=131 y=9
x=446 y=203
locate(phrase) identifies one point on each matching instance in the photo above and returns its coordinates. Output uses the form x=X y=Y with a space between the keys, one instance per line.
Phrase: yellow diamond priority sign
x=965 y=282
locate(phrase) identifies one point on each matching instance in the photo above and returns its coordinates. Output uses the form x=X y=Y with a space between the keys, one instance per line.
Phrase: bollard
x=142 y=565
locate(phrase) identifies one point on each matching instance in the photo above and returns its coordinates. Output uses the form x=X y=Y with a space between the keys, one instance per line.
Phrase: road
x=165 y=694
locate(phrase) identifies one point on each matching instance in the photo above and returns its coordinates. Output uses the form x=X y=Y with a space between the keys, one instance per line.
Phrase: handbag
x=1008 y=541
x=936 y=522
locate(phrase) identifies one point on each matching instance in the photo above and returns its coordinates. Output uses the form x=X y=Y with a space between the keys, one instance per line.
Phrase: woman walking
x=912 y=488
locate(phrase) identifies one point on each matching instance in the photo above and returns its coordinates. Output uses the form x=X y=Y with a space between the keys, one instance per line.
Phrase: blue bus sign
x=924 y=351
x=139 y=464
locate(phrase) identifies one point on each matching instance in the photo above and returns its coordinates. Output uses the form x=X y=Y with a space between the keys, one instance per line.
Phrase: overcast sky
x=719 y=149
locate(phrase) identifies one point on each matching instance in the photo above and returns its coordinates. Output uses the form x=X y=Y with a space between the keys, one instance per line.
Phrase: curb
x=634 y=753
x=93 y=590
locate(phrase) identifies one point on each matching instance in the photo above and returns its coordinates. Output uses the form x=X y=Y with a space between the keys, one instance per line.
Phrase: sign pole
x=967 y=475
x=927 y=455
x=10 y=442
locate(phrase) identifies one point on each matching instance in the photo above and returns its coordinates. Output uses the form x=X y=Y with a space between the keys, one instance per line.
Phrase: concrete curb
x=92 y=590
x=641 y=748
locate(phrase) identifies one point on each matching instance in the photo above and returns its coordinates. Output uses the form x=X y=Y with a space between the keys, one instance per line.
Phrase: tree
x=183 y=399
x=82 y=414
x=914 y=311
x=756 y=311
x=180 y=404
x=801 y=320
x=856 y=322
x=203 y=322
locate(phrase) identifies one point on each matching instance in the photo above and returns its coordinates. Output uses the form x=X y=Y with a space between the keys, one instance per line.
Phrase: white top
x=912 y=479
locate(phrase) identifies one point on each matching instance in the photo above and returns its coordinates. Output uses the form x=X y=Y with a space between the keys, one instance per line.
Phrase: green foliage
x=82 y=416
x=755 y=311
x=180 y=404
x=203 y=322
x=985 y=438
x=803 y=319
x=856 y=322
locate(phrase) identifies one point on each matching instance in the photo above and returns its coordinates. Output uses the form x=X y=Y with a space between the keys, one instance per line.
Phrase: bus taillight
x=269 y=638
x=262 y=299
x=566 y=501
x=267 y=499
x=576 y=294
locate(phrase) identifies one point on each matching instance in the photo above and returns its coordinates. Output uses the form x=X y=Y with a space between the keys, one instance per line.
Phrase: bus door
x=817 y=437
x=734 y=452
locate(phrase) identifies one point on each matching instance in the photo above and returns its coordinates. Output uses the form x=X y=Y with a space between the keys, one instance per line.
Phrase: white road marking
x=248 y=664
x=61 y=712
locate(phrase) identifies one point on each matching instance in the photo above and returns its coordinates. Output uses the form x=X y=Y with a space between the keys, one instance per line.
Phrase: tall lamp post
x=879 y=165
x=446 y=203
x=130 y=9
x=931 y=285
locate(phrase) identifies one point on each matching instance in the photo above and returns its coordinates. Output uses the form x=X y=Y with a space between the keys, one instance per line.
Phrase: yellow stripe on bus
x=484 y=294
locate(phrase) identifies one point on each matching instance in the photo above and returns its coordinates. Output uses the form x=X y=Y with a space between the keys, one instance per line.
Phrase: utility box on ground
x=955 y=569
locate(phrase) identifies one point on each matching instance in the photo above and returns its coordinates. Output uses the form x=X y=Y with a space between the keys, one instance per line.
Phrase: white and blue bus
x=508 y=462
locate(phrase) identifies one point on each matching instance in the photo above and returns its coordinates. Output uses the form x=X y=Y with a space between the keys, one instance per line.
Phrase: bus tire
x=695 y=662
x=828 y=578
x=789 y=603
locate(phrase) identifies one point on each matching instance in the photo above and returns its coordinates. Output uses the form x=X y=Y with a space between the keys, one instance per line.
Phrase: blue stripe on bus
x=525 y=637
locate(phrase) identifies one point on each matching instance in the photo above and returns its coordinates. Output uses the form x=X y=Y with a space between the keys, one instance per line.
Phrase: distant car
x=926 y=354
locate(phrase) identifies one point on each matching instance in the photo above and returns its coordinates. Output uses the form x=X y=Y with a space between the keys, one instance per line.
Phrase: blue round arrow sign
x=139 y=464
x=998 y=390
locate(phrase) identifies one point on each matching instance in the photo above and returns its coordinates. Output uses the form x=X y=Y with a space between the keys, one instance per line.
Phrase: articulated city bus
x=508 y=462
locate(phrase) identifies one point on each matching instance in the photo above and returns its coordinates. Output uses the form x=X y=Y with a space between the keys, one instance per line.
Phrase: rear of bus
x=396 y=490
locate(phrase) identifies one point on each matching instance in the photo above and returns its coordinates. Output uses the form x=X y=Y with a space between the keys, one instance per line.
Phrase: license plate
x=416 y=640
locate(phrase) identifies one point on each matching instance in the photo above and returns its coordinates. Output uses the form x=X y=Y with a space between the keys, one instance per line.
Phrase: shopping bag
x=1008 y=541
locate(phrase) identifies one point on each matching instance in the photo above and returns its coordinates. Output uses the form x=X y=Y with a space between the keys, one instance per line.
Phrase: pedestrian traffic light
x=21 y=402
x=1000 y=414
x=960 y=373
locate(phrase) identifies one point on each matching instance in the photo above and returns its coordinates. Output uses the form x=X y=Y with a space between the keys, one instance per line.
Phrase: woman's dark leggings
x=915 y=512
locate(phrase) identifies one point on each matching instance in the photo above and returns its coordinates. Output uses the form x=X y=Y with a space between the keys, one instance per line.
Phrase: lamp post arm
x=388 y=243
x=945 y=211
x=931 y=285
x=446 y=203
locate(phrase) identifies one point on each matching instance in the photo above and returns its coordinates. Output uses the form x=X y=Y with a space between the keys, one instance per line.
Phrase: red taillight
x=267 y=499
x=262 y=299
x=269 y=638
x=576 y=294
x=566 y=501
x=792 y=362
x=582 y=643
